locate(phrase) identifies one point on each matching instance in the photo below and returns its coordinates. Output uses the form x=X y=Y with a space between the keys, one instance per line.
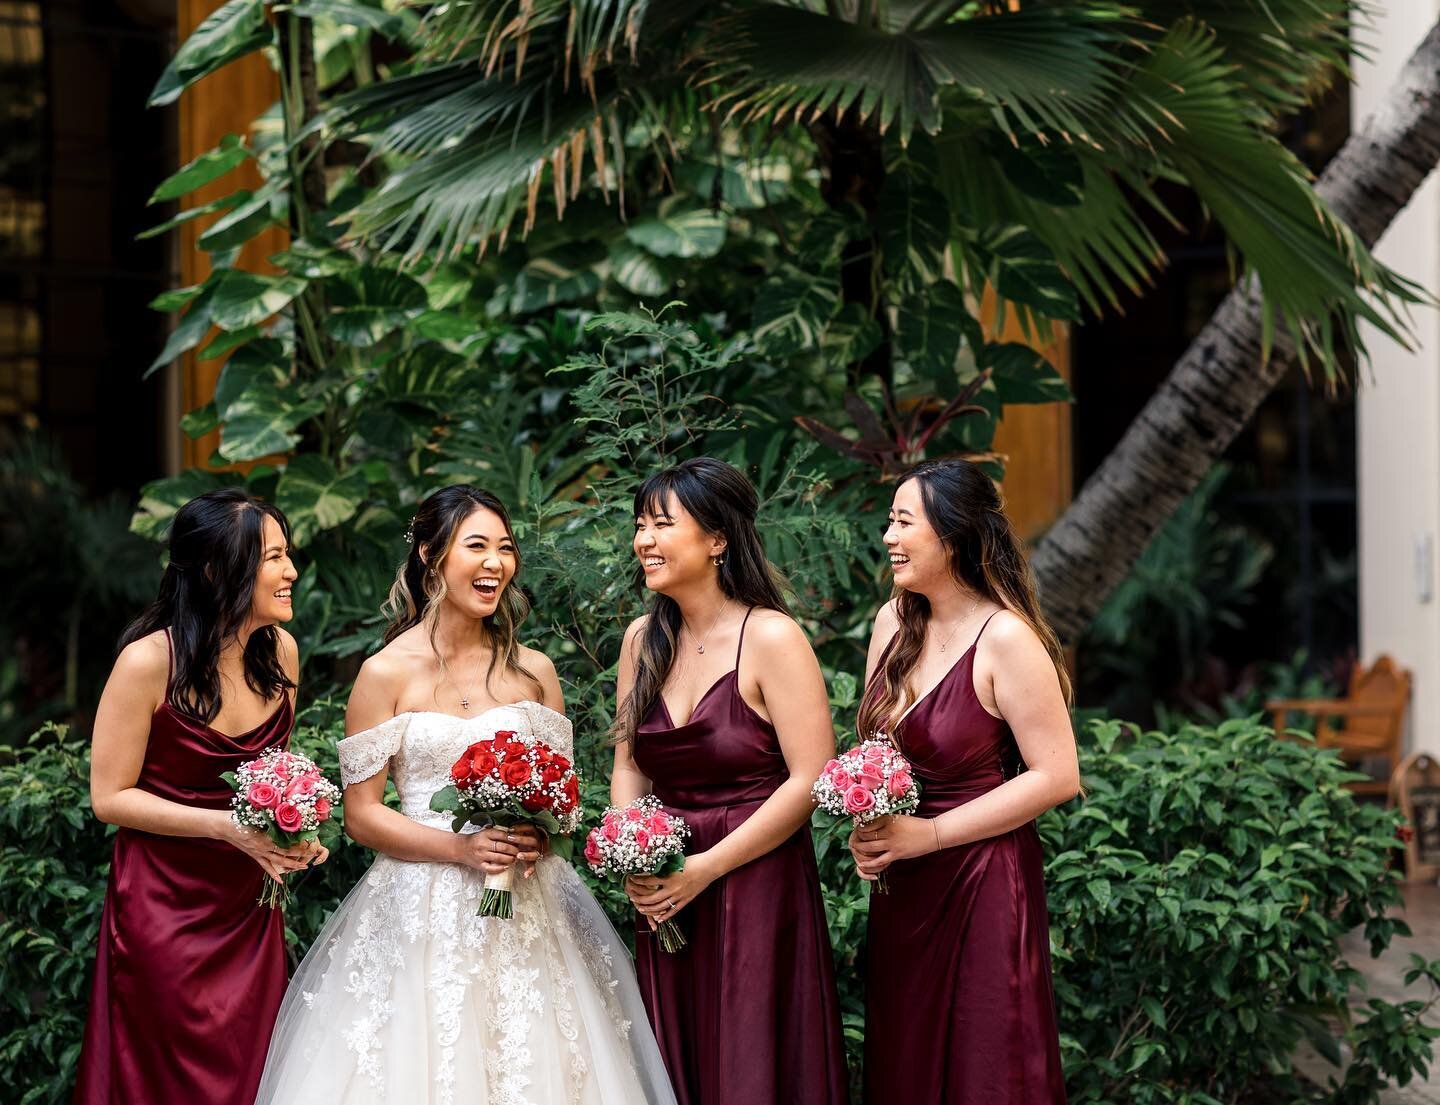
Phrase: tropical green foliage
x=1197 y=897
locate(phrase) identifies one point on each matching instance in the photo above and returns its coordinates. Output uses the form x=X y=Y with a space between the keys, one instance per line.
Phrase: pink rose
x=842 y=781
x=858 y=800
x=634 y=814
x=322 y=808
x=899 y=783
x=642 y=839
x=592 y=850
x=289 y=817
x=301 y=784
x=263 y=795
x=658 y=824
x=874 y=753
x=610 y=830
x=281 y=766
x=833 y=765
x=869 y=776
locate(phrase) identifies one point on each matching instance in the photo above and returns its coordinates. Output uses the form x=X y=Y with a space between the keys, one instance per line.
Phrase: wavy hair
x=965 y=509
x=419 y=587
x=215 y=546
x=722 y=501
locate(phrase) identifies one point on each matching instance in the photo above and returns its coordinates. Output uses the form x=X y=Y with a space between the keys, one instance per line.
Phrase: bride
x=408 y=996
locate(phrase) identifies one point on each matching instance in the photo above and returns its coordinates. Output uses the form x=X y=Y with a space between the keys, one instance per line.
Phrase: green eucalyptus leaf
x=231 y=31
x=680 y=227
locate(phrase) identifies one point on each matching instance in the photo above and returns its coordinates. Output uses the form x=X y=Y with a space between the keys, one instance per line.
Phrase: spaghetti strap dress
x=190 y=970
x=747 y=1012
x=959 y=1004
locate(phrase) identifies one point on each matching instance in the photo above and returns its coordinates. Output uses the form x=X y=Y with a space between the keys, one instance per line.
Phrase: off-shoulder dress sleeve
x=366 y=753
x=551 y=726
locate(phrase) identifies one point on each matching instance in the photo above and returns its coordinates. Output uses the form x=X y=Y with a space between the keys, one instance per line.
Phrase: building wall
x=1399 y=418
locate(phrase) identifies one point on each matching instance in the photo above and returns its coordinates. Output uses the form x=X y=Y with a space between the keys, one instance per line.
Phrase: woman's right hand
x=275 y=861
x=497 y=848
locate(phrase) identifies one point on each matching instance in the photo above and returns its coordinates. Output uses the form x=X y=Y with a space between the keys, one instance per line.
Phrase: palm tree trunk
x=1216 y=386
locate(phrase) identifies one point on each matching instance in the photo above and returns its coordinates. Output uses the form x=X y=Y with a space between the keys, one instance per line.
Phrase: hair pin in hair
x=410 y=533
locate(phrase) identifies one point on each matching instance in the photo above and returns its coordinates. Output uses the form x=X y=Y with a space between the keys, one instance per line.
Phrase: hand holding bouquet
x=284 y=795
x=640 y=839
x=870 y=781
x=507 y=780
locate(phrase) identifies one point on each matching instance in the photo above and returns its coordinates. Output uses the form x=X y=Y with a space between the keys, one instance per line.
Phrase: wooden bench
x=1372 y=721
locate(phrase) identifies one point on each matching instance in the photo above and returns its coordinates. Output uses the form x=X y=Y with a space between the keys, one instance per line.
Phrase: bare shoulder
x=635 y=628
x=146 y=660
x=887 y=620
x=536 y=662
x=774 y=632
x=390 y=668
x=1009 y=636
x=289 y=651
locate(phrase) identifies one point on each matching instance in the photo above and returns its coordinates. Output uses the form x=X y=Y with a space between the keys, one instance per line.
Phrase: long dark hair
x=419 y=586
x=215 y=546
x=965 y=509
x=723 y=501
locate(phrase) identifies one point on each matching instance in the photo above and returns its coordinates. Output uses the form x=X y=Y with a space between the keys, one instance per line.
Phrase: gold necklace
x=973 y=607
x=464 y=695
x=700 y=648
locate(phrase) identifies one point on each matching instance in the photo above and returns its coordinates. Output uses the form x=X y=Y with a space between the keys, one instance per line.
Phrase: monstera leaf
x=680 y=227
x=791 y=311
x=315 y=496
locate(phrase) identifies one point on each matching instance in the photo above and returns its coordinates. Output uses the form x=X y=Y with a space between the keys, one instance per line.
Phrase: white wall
x=1399 y=417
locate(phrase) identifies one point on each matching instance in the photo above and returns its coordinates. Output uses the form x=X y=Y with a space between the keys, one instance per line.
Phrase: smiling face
x=674 y=550
x=918 y=558
x=480 y=564
x=272 y=599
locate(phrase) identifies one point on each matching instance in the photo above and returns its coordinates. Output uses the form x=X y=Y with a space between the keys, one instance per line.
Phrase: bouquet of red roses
x=284 y=795
x=640 y=839
x=507 y=780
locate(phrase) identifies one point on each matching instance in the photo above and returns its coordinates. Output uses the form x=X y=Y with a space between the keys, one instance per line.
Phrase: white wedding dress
x=409 y=998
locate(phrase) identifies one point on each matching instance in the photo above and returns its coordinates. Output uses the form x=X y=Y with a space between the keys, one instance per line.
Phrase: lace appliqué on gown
x=409 y=996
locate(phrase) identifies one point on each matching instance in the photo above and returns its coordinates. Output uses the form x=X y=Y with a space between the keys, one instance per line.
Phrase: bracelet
x=935 y=824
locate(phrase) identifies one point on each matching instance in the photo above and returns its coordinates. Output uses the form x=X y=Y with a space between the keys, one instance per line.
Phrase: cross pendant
x=464 y=704
x=699 y=648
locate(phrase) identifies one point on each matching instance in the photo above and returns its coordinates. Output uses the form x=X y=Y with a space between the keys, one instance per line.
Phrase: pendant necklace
x=973 y=607
x=464 y=695
x=700 y=648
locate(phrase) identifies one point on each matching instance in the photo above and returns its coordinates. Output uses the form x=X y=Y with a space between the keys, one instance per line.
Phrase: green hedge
x=1197 y=895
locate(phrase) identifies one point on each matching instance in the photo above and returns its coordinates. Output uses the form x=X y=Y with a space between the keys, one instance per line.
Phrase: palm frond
x=1042 y=69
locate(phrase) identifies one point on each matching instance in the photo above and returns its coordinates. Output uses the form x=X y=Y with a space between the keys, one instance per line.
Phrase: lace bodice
x=420 y=746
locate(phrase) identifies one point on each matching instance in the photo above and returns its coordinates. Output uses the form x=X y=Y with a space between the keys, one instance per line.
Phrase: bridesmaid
x=723 y=713
x=190 y=969
x=970 y=683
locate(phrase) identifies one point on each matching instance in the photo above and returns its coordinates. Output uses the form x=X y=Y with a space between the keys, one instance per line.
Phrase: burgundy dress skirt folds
x=959 y=1004
x=747 y=1012
x=190 y=971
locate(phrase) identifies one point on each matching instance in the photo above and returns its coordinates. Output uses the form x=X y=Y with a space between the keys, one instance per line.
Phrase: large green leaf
x=259 y=411
x=189 y=332
x=1024 y=270
x=792 y=310
x=374 y=303
x=247 y=219
x=315 y=497
x=353 y=13
x=930 y=329
x=743 y=185
x=160 y=499
x=640 y=272
x=233 y=30
x=562 y=276
x=913 y=225
x=680 y=227
x=851 y=337
x=1022 y=375
x=224 y=203
x=210 y=165
x=244 y=299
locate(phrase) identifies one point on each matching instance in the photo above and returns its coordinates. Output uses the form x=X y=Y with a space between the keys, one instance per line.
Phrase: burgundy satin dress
x=190 y=970
x=746 y=1013
x=959 y=1007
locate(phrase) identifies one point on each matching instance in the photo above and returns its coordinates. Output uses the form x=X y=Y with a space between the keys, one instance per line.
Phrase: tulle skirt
x=409 y=997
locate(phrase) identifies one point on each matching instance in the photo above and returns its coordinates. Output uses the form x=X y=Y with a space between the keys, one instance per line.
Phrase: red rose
x=549 y=773
x=571 y=790
x=483 y=762
x=460 y=771
x=504 y=734
x=561 y=762
x=536 y=801
x=514 y=772
x=514 y=750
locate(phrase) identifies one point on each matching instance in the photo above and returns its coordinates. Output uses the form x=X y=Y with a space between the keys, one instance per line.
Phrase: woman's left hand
x=877 y=845
x=661 y=897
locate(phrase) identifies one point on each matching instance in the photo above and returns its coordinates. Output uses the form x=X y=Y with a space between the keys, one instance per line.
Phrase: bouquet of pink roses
x=507 y=780
x=284 y=795
x=640 y=839
x=870 y=781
